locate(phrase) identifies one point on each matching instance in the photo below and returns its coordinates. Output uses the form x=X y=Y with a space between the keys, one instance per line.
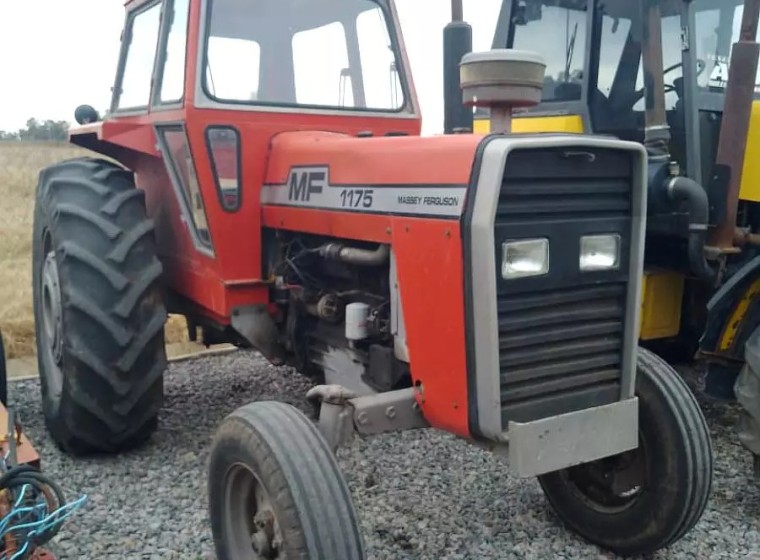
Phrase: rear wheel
x=747 y=391
x=98 y=308
x=275 y=490
x=646 y=499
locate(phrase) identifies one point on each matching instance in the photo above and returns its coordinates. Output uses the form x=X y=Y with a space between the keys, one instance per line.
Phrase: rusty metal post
x=737 y=111
x=657 y=131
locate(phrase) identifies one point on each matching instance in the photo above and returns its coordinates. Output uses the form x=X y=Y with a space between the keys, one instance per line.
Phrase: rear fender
x=120 y=140
x=733 y=313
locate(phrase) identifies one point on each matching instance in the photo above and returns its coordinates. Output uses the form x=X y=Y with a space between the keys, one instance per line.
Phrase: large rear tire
x=275 y=490
x=98 y=308
x=649 y=498
x=747 y=389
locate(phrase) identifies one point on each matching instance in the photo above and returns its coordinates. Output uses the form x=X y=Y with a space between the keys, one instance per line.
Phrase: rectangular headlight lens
x=600 y=252
x=521 y=259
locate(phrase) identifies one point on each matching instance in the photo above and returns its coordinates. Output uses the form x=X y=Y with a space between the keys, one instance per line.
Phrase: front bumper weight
x=566 y=440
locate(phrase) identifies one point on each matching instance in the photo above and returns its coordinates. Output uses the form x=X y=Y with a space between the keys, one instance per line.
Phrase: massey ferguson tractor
x=681 y=78
x=274 y=188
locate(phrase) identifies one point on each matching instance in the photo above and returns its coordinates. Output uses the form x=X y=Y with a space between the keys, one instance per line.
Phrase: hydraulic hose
x=352 y=255
x=688 y=190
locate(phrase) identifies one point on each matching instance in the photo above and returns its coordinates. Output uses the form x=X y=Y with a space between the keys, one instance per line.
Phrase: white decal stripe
x=432 y=201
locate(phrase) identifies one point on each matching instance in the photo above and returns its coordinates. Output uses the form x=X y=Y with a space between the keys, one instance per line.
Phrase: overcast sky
x=56 y=54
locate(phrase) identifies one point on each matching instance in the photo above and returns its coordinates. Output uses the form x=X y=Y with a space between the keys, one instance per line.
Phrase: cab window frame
x=706 y=100
x=557 y=107
x=162 y=52
x=409 y=108
x=126 y=45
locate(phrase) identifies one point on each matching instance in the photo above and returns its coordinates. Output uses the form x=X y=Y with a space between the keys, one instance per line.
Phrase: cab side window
x=141 y=41
x=172 y=85
x=555 y=29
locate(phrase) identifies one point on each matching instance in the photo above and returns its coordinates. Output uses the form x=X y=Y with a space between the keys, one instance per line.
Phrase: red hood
x=404 y=160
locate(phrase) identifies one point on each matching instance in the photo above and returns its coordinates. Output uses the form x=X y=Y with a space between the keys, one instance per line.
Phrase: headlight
x=600 y=252
x=520 y=259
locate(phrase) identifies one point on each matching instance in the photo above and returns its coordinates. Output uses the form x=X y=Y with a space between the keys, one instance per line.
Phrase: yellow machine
x=657 y=72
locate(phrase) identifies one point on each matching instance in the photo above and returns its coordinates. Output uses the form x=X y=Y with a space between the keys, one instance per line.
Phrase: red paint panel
x=430 y=273
x=356 y=161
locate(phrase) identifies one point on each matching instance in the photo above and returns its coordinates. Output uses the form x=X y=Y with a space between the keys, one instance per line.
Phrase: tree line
x=38 y=131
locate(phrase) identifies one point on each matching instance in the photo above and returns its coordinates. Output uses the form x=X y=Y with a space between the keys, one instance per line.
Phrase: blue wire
x=20 y=552
x=23 y=491
x=73 y=506
x=17 y=512
x=46 y=523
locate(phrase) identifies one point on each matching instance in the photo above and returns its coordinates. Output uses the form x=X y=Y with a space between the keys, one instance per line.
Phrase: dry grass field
x=20 y=164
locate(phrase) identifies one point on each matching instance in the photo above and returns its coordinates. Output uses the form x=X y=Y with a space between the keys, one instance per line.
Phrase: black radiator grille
x=560 y=351
x=570 y=198
x=561 y=336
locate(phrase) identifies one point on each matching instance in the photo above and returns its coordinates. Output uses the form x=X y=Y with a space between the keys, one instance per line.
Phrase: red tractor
x=273 y=187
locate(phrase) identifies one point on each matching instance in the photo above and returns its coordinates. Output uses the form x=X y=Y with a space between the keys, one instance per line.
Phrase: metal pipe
x=457 y=11
x=737 y=111
x=501 y=119
x=352 y=255
x=457 y=42
x=683 y=188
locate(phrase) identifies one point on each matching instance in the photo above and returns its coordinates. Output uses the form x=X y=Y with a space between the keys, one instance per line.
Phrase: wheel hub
x=252 y=530
x=52 y=314
x=263 y=539
x=612 y=484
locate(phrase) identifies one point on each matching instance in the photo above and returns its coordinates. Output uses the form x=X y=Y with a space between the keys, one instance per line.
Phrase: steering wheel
x=701 y=65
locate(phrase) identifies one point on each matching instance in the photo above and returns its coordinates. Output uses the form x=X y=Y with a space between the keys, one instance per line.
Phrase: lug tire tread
x=112 y=308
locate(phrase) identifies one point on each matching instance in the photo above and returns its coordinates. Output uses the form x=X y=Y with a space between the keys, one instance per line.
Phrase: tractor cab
x=201 y=83
x=289 y=54
x=610 y=51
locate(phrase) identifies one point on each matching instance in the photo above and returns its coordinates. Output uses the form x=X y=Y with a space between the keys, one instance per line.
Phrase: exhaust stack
x=502 y=80
x=457 y=42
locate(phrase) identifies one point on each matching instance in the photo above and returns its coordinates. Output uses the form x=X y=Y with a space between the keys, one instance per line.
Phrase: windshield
x=717 y=28
x=555 y=29
x=332 y=53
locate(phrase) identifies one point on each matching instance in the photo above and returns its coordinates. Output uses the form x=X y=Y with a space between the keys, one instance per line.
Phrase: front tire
x=98 y=308
x=647 y=499
x=275 y=490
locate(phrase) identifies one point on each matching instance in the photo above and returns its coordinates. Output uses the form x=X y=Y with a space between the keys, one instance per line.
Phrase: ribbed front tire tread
x=298 y=469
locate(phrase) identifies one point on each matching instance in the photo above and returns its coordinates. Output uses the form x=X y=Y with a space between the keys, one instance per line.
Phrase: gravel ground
x=420 y=495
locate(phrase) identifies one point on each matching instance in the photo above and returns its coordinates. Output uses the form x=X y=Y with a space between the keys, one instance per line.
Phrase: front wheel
x=649 y=498
x=275 y=490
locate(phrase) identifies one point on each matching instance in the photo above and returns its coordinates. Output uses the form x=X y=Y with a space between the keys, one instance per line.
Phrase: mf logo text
x=306 y=182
